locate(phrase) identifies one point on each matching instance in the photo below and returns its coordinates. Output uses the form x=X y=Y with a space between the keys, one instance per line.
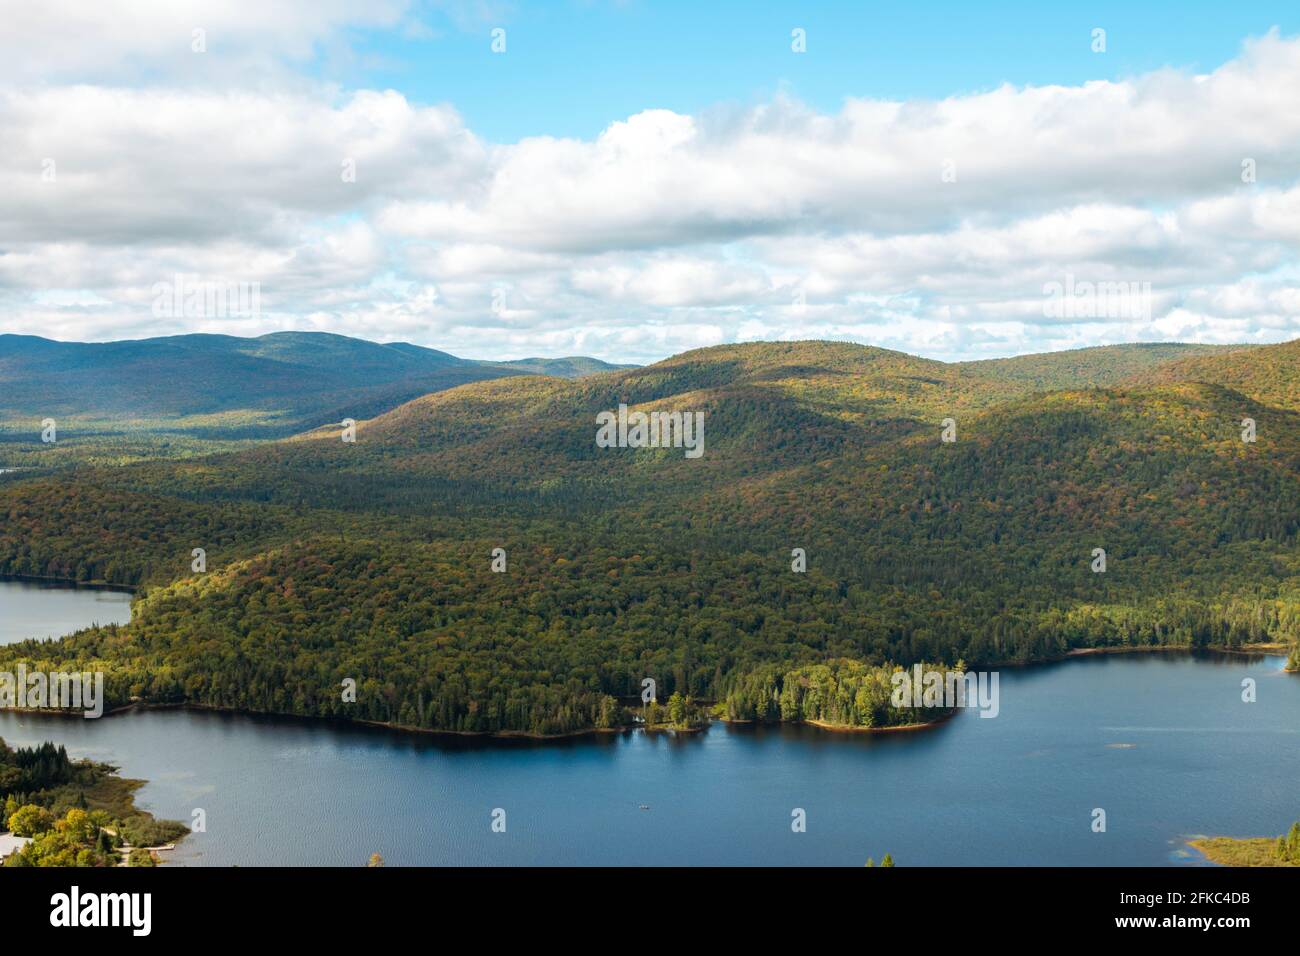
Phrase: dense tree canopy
x=371 y=562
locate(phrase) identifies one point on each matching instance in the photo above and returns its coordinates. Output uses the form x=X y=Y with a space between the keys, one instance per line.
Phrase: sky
x=629 y=180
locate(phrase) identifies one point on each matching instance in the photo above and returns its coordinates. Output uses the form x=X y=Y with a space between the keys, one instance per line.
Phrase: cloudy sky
x=629 y=180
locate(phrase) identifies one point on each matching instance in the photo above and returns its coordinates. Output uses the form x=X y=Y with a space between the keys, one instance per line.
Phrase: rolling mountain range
x=227 y=386
x=372 y=559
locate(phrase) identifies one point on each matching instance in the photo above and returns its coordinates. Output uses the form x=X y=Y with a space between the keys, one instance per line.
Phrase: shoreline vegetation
x=1263 y=647
x=892 y=729
x=1251 y=851
x=628 y=728
x=76 y=813
x=701 y=716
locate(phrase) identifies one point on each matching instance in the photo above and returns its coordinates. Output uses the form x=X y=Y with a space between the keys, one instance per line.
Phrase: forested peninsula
x=75 y=812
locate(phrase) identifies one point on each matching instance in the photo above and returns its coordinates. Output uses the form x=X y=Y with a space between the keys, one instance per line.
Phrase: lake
x=43 y=609
x=1162 y=742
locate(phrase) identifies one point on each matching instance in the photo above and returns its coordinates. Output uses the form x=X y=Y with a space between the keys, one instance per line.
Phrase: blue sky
x=573 y=67
x=632 y=180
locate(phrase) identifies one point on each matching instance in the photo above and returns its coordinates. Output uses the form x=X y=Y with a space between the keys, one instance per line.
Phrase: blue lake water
x=1162 y=742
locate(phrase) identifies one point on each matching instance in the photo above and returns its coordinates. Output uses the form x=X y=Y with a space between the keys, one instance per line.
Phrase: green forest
x=356 y=579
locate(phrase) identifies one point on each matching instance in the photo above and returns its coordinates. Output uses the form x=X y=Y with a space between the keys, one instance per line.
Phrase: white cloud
x=663 y=233
x=58 y=40
x=660 y=179
x=119 y=166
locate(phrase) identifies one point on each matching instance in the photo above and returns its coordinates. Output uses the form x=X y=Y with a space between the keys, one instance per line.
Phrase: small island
x=683 y=715
x=61 y=812
x=1252 y=851
x=840 y=695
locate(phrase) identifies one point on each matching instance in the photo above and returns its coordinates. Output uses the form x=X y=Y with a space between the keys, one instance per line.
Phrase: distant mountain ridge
x=214 y=388
x=770 y=407
x=269 y=386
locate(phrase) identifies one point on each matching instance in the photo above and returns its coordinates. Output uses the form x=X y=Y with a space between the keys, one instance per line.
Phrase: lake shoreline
x=524 y=735
x=143 y=706
x=844 y=728
x=1239 y=851
x=890 y=729
x=1269 y=647
x=92 y=585
x=503 y=735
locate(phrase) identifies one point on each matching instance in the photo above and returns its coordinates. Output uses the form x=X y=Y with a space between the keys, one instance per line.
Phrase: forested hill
x=373 y=559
